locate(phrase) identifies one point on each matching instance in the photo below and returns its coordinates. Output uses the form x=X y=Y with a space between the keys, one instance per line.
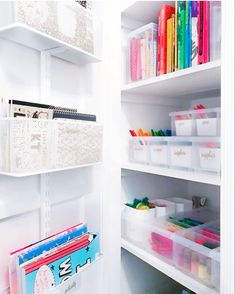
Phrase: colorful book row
x=187 y=34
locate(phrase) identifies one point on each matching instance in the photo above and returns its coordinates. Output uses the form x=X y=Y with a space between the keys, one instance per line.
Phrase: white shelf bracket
x=45 y=87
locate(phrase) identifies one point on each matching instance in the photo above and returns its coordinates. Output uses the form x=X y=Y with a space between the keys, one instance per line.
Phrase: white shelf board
x=201 y=78
x=27 y=174
x=144 y=11
x=206 y=178
x=168 y=269
x=32 y=38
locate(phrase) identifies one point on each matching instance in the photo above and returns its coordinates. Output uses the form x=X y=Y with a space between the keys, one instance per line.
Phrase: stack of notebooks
x=42 y=266
x=44 y=111
x=187 y=34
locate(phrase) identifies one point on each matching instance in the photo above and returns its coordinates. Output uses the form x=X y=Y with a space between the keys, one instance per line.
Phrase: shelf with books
x=175 y=43
x=179 y=83
x=211 y=179
x=35 y=146
x=168 y=269
x=30 y=37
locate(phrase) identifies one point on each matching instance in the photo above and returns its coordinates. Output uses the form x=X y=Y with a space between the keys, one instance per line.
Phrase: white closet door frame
x=227 y=180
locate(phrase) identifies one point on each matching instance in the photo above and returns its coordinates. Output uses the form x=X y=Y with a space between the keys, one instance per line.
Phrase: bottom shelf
x=168 y=269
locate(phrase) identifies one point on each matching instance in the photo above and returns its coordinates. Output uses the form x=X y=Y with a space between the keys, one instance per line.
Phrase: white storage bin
x=208 y=122
x=159 y=152
x=182 y=124
x=181 y=204
x=139 y=150
x=209 y=156
x=37 y=145
x=164 y=207
x=193 y=251
x=181 y=154
x=202 y=122
x=66 y=21
x=142 y=46
x=133 y=224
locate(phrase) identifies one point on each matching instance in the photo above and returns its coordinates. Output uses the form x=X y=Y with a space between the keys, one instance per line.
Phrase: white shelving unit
x=146 y=104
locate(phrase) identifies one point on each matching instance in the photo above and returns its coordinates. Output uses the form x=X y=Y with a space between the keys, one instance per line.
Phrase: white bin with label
x=182 y=124
x=181 y=154
x=202 y=122
x=159 y=152
x=209 y=155
x=139 y=150
x=208 y=122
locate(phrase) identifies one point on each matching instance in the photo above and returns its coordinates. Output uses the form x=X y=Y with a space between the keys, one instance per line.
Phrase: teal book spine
x=181 y=34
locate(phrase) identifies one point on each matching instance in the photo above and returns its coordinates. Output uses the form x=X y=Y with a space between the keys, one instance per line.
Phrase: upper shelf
x=136 y=13
x=211 y=179
x=27 y=36
x=201 y=78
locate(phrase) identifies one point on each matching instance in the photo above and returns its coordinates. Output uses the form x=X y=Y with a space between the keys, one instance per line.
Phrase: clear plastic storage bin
x=163 y=231
x=215 y=270
x=203 y=122
x=189 y=153
x=142 y=45
x=193 y=251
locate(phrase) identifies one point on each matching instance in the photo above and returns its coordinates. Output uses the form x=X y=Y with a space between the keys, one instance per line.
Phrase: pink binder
x=203 y=31
x=133 y=59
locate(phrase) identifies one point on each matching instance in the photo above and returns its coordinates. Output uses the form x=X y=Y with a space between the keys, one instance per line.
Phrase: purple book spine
x=194 y=58
x=194 y=8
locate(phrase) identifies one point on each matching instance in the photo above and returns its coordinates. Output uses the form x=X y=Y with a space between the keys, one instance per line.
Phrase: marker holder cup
x=133 y=224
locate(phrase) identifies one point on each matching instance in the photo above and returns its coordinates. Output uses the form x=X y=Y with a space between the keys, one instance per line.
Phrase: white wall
x=74 y=195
